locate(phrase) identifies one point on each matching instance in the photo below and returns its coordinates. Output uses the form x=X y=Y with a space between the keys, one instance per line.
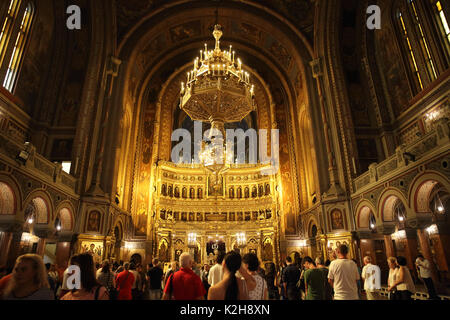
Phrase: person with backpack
x=106 y=278
x=124 y=283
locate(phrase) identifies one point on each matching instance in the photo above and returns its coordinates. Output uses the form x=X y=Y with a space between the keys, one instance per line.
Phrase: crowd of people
x=232 y=277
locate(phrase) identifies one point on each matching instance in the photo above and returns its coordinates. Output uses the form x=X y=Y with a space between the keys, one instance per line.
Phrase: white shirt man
x=216 y=272
x=371 y=274
x=424 y=267
x=342 y=275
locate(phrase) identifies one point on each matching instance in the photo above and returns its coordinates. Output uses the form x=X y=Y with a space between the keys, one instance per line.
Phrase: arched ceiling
x=168 y=38
x=299 y=12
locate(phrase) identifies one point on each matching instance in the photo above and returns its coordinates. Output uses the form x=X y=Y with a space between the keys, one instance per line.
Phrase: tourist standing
x=231 y=287
x=204 y=277
x=90 y=289
x=196 y=269
x=314 y=280
x=99 y=270
x=290 y=278
x=250 y=263
x=403 y=284
x=172 y=269
x=280 y=284
x=271 y=280
x=328 y=294
x=135 y=292
x=124 y=281
x=424 y=267
x=184 y=284
x=216 y=272
x=63 y=289
x=371 y=275
x=29 y=280
x=51 y=280
x=343 y=276
x=155 y=276
x=107 y=279
x=392 y=277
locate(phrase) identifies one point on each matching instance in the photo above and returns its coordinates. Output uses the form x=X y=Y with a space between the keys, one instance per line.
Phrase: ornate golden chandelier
x=217 y=90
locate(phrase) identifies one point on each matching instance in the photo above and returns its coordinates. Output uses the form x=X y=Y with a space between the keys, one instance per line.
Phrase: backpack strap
x=171 y=285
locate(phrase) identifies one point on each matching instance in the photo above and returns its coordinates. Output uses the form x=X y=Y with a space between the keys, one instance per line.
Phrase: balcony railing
x=35 y=164
x=404 y=155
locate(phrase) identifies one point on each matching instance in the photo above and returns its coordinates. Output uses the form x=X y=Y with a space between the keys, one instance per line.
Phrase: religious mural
x=93 y=221
x=337 y=219
x=95 y=248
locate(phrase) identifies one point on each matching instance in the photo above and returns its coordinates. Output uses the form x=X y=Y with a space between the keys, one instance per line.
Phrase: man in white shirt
x=371 y=275
x=343 y=276
x=424 y=267
x=216 y=272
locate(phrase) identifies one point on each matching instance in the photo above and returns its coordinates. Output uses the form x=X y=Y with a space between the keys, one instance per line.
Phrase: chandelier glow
x=218 y=89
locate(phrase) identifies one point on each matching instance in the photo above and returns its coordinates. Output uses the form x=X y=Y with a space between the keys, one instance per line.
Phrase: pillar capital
x=43 y=231
x=363 y=234
x=65 y=236
x=11 y=225
x=411 y=233
x=386 y=229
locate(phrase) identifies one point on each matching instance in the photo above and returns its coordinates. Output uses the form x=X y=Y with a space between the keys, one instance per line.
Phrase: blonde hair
x=40 y=277
x=392 y=260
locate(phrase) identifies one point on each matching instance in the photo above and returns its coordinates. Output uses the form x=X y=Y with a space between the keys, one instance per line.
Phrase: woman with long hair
x=403 y=283
x=29 y=280
x=90 y=289
x=251 y=266
x=392 y=277
x=231 y=287
x=106 y=277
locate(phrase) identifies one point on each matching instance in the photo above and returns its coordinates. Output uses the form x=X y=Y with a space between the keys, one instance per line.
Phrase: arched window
x=443 y=23
x=410 y=52
x=423 y=41
x=7 y=27
x=12 y=52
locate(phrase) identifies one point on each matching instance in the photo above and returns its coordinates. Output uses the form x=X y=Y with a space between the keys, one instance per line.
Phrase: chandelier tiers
x=217 y=90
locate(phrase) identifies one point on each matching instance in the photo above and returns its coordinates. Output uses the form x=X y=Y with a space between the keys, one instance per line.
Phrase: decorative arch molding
x=44 y=206
x=120 y=224
x=386 y=204
x=11 y=188
x=66 y=213
x=421 y=187
x=362 y=214
x=312 y=221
